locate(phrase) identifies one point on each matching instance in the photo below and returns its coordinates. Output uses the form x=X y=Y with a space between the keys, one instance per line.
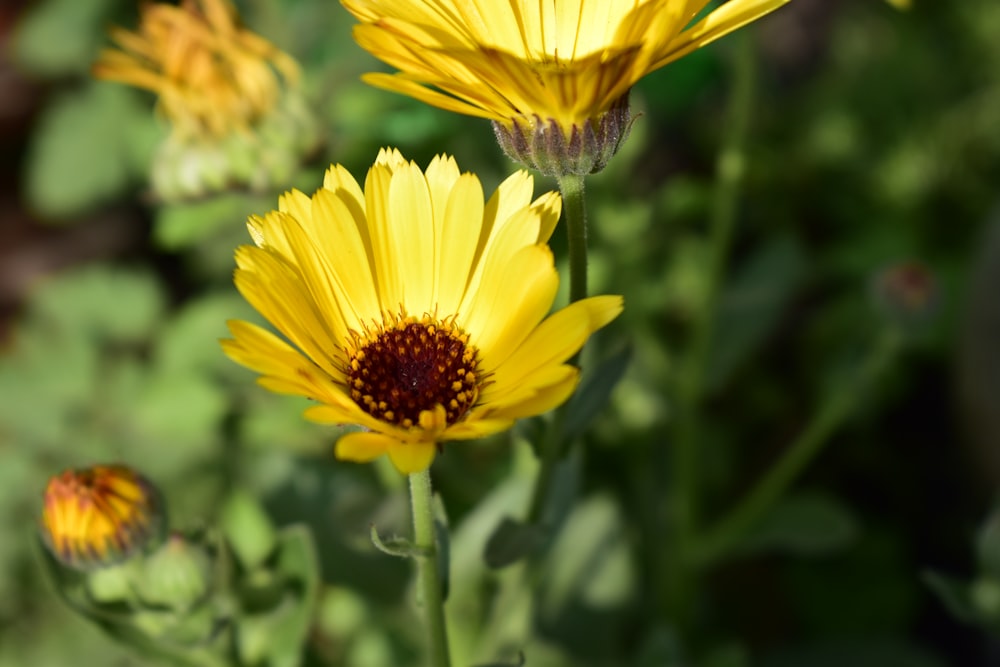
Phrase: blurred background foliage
x=874 y=141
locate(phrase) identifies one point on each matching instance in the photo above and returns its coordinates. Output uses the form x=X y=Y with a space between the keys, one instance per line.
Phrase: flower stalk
x=571 y=189
x=685 y=474
x=428 y=576
x=773 y=485
x=575 y=208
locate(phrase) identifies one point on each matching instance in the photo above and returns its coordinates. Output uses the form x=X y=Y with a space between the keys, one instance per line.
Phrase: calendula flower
x=211 y=75
x=98 y=516
x=220 y=86
x=553 y=75
x=413 y=308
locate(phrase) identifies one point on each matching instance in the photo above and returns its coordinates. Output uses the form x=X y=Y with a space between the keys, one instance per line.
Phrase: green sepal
x=396 y=546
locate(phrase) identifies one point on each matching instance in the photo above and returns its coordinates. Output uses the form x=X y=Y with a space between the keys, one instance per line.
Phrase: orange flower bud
x=98 y=516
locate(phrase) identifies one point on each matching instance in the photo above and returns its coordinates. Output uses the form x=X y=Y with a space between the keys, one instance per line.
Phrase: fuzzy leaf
x=512 y=541
x=805 y=524
x=751 y=306
x=85 y=149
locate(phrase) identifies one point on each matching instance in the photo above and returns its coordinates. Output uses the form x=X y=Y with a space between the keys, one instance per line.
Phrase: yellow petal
x=477 y=428
x=538 y=394
x=399 y=84
x=514 y=296
x=724 y=20
x=554 y=341
x=380 y=229
x=459 y=238
x=362 y=446
x=286 y=370
x=412 y=238
x=411 y=457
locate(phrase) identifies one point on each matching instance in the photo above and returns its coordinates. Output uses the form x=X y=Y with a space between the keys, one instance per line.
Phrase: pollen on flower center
x=414 y=365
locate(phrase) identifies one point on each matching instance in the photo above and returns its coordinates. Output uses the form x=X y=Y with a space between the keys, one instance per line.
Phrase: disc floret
x=411 y=365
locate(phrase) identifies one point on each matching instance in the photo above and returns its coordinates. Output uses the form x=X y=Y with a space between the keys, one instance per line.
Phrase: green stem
x=571 y=187
x=769 y=490
x=428 y=577
x=551 y=450
x=685 y=474
x=575 y=206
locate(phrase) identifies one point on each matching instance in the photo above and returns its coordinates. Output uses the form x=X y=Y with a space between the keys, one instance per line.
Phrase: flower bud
x=177 y=575
x=98 y=516
x=584 y=149
x=906 y=293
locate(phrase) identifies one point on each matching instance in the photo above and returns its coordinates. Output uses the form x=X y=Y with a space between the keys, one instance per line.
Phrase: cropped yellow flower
x=528 y=64
x=211 y=75
x=100 y=515
x=413 y=308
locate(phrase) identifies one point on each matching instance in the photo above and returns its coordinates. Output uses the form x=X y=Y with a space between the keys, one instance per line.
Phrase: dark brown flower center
x=413 y=366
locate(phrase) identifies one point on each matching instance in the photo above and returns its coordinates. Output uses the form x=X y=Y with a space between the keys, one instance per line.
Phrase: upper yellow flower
x=526 y=62
x=97 y=516
x=211 y=75
x=414 y=309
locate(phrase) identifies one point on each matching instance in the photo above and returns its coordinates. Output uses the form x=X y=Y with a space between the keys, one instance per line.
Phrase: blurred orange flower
x=97 y=516
x=211 y=75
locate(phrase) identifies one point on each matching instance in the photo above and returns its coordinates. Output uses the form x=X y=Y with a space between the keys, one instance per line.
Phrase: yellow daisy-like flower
x=553 y=75
x=211 y=75
x=414 y=309
x=98 y=516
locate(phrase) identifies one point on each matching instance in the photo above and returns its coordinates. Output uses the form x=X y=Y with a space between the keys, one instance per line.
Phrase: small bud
x=177 y=575
x=907 y=293
x=543 y=144
x=98 y=516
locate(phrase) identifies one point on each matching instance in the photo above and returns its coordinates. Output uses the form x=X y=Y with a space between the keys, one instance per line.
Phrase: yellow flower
x=414 y=309
x=100 y=515
x=211 y=75
x=531 y=66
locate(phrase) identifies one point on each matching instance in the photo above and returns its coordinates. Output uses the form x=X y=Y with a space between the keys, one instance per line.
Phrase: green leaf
x=121 y=305
x=593 y=393
x=84 y=150
x=182 y=225
x=442 y=538
x=512 y=541
x=298 y=563
x=859 y=652
x=48 y=377
x=751 y=306
x=399 y=547
x=520 y=662
x=805 y=524
x=189 y=341
x=248 y=529
x=185 y=411
x=61 y=37
x=590 y=559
